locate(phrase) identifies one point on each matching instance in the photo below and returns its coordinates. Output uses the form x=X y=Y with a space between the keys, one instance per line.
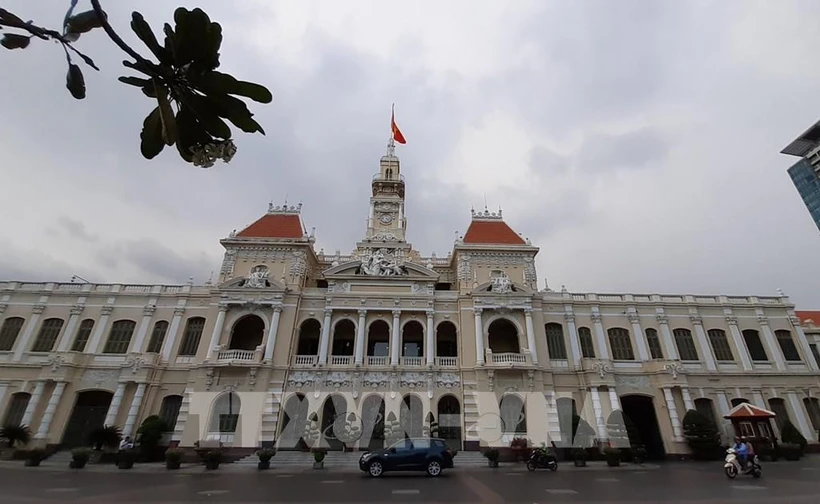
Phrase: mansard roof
x=279 y=222
x=490 y=229
x=807 y=316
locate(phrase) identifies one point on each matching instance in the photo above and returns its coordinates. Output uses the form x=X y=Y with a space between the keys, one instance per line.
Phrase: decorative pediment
x=245 y=284
x=503 y=287
x=407 y=271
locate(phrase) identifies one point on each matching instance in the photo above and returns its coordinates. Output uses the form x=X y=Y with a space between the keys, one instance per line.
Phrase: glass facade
x=807 y=183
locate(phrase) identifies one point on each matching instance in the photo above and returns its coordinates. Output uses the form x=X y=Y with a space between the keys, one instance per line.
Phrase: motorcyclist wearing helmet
x=741 y=451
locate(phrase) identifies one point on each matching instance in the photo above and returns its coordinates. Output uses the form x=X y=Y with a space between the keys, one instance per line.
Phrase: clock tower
x=386 y=221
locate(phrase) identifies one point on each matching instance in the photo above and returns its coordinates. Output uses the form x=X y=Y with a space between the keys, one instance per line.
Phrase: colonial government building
x=290 y=341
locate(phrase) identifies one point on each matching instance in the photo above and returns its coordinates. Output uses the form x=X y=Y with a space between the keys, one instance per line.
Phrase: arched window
x=378 y=339
x=555 y=341
x=739 y=400
x=705 y=407
x=720 y=345
x=754 y=345
x=502 y=337
x=309 y=332
x=513 y=415
x=193 y=333
x=247 y=333
x=169 y=410
x=225 y=416
x=654 y=344
x=778 y=406
x=585 y=339
x=120 y=337
x=47 y=335
x=446 y=340
x=685 y=344
x=412 y=340
x=344 y=338
x=83 y=334
x=621 y=344
x=812 y=405
x=157 y=337
x=784 y=339
x=17 y=408
x=9 y=331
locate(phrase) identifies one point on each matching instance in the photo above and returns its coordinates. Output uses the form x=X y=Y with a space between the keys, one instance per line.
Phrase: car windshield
x=404 y=443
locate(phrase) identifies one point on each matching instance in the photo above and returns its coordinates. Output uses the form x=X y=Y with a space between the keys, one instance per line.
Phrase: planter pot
x=613 y=462
x=125 y=464
x=580 y=463
x=212 y=466
x=171 y=465
x=793 y=457
x=492 y=463
x=263 y=465
x=319 y=465
x=32 y=463
x=77 y=464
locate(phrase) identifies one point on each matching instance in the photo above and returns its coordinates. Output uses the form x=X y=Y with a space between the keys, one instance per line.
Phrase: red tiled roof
x=806 y=315
x=495 y=232
x=275 y=226
x=746 y=410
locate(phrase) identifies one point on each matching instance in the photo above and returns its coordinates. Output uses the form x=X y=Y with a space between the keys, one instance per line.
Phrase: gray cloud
x=636 y=149
x=75 y=229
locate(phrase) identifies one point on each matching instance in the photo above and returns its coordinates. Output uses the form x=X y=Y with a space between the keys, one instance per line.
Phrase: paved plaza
x=671 y=482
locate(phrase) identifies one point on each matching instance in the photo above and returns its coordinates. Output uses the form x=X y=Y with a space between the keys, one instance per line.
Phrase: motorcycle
x=732 y=465
x=542 y=459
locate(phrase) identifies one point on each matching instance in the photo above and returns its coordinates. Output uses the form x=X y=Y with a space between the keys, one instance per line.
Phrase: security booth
x=755 y=424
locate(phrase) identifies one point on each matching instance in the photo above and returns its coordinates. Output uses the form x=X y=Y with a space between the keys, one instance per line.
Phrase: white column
x=531 y=335
x=673 y=413
x=360 y=327
x=48 y=416
x=217 y=332
x=325 y=339
x=99 y=329
x=23 y=342
x=800 y=415
x=479 y=338
x=771 y=343
x=640 y=337
x=3 y=389
x=274 y=328
x=64 y=340
x=687 y=399
x=136 y=402
x=430 y=347
x=670 y=350
x=740 y=344
x=171 y=337
x=600 y=338
x=703 y=343
x=395 y=339
x=599 y=412
x=804 y=344
x=28 y=416
x=614 y=400
x=138 y=342
x=574 y=345
x=723 y=410
x=114 y=408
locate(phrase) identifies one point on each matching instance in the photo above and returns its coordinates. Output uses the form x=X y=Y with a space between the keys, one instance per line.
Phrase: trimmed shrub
x=790 y=435
x=702 y=435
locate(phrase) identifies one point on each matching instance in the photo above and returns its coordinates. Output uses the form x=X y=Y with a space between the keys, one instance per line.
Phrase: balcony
x=236 y=356
x=341 y=360
x=508 y=359
x=448 y=362
x=378 y=361
x=412 y=361
x=305 y=360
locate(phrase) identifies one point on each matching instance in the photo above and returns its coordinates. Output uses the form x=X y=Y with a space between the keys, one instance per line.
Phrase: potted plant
x=34 y=457
x=790 y=451
x=126 y=459
x=519 y=448
x=639 y=454
x=15 y=434
x=212 y=460
x=579 y=457
x=319 y=458
x=264 y=458
x=79 y=457
x=172 y=458
x=105 y=437
x=613 y=456
x=492 y=457
x=149 y=436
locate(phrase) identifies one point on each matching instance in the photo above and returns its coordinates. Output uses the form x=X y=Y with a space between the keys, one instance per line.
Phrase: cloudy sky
x=635 y=142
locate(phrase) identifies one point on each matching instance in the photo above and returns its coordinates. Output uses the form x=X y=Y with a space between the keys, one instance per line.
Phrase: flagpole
x=391 y=144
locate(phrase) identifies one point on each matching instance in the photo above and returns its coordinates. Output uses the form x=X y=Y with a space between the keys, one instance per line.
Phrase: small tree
x=702 y=435
x=789 y=434
x=108 y=437
x=582 y=432
x=16 y=434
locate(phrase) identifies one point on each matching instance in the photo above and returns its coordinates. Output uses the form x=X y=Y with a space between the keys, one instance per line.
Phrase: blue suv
x=412 y=454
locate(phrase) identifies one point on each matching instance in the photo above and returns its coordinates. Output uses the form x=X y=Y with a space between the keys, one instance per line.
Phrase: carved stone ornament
x=386 y=206
x=674 y=368
x=252 y=377
x=135 y=362
x=633 y=381
x=383 y=236
x=393 y=384
x=430 y=385
x=78 y=309
x=731 y=319
x=338 y=287
x=530 y=380
x=381 y=262
x=40 y=308
x=448 y=380
x=299 y=379
x=763 y=320
x=596 y=318
x=794 y=319
x=696 y=319
x=491 y=380
x=228 y=263
x=413 y=380
x=501 y=284
x=633 y=317
x=209 y=378
x=661 y=318
x=100 y=376
x=357 y=384
x=464 y=268
x=298 y=267
x=337 y=379
x=3 y=307
x=569 y=318
x=257 y=278
x=601 y=367
x=375 y=380
x=56 y=362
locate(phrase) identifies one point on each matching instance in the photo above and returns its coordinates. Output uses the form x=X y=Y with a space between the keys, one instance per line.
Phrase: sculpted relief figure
x=380 y=262
x=501 y=284
x=257 y=278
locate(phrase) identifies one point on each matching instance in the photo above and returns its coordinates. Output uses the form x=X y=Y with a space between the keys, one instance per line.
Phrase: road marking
x=638 y=472
x=561 y=491
x=284 y=475
x=333 y=481
x=607 y=480
x=513 y=474
x=406 y=492
x=62 y=489
x=748 y=487
x=213 y=492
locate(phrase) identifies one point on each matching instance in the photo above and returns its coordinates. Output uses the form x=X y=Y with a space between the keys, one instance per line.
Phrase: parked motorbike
x=541 y=458
x=732 y=465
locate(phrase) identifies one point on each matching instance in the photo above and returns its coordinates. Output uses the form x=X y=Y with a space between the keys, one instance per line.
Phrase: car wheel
x=433 y=468
x=375 y=469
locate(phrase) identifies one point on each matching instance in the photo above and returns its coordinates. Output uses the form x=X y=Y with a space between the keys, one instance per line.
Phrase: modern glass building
x=805 y=174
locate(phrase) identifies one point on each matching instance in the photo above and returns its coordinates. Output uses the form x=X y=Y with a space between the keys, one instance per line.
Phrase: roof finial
x=485 y=201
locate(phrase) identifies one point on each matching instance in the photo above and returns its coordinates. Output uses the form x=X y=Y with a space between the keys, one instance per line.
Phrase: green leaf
x=134 y=81
x=170 y=40
x=139 y=67
x=166 y=113
x=234 y=110
x=205 y=113
x=68 y=13
x=14 y=41
x=83 y=22
x=191 y=133
x=75 y=82
x=146 y=34
x=221 y=83
x=151 y=143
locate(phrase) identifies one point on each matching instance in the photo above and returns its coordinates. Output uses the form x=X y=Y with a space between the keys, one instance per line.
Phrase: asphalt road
x=781 y=482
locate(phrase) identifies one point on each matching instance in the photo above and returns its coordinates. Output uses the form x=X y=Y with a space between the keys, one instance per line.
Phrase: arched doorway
x=88 y=414
x=334 y=414
x=411 y=416
x=247 y=333
x=372 y=423
x=567 y=412
x=294 y=421
x=449 y=421
x=412 y=340
x=378 y=342
x=641 y=424
x=309 y=333
x=447 y=341
x=344 y=338
x=502 y=337
x=513 y=417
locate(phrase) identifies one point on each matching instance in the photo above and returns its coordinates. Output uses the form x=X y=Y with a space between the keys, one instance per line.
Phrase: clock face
x=386 y=218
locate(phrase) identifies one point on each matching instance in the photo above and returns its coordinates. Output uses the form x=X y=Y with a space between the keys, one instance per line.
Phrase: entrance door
x=334 y=415
x=449 y=421
x=88 y=414
x=639 y=414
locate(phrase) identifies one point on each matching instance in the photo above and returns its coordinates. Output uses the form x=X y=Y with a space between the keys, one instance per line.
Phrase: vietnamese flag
x=397 y=136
